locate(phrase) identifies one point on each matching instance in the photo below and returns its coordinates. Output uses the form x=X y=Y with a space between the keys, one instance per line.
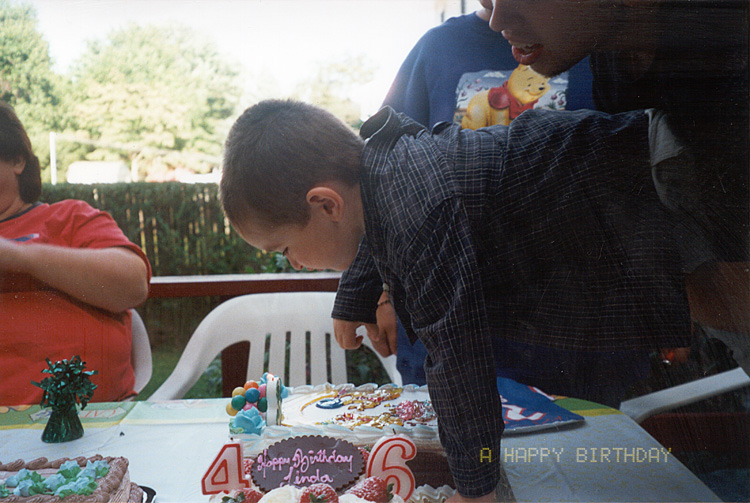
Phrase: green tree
x=333 y=84
x=27 y=81
x=153 y=89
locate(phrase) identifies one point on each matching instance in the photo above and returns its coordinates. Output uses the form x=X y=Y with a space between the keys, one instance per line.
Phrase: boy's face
x=329 y=240
x=552 y=35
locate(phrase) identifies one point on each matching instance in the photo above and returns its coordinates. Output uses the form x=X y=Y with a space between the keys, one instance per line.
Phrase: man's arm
x=409 y=93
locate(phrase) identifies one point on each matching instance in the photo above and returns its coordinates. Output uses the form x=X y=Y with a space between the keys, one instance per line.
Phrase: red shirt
x=39 y=322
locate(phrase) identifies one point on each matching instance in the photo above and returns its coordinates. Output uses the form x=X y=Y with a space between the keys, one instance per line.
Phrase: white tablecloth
x=170 y=445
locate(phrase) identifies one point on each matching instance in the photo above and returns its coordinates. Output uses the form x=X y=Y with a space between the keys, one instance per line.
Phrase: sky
x=284 y=37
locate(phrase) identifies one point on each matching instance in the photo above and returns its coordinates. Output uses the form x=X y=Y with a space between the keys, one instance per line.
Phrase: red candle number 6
x=388 y=461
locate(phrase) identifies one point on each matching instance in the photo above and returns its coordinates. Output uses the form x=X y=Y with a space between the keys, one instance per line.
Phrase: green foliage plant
x=68 y=386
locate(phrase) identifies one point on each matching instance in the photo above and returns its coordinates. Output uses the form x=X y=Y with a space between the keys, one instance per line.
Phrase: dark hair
x=276 y=152
x=15 y=145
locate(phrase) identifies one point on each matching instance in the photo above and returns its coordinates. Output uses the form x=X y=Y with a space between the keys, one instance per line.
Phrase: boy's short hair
x=15 y=145
x=276 y=151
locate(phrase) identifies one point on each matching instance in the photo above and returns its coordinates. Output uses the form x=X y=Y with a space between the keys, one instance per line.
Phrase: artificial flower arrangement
x=68 y=385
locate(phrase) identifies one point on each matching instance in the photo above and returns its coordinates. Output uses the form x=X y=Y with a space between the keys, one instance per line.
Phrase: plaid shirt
x=547 y=231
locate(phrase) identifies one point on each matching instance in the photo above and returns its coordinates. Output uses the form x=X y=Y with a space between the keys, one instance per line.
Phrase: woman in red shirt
x=68 y=276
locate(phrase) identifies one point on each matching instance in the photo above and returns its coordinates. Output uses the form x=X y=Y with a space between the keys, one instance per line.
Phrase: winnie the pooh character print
x=497 y=97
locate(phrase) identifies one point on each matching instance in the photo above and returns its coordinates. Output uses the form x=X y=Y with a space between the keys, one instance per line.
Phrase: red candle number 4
x=225 y=473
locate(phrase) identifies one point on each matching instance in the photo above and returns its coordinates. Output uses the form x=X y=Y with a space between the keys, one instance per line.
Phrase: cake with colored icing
x=100 y=479
x=307 y=417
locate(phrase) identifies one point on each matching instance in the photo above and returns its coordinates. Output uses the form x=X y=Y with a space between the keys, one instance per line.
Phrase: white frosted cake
x=359 y=414
x=325 y=418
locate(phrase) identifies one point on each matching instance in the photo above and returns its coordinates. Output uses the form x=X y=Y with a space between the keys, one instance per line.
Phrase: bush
x=181 y=227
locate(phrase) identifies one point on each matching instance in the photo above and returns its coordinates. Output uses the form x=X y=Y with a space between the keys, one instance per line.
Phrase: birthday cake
x=387 y=436
x=100 y=479
x=359 y=414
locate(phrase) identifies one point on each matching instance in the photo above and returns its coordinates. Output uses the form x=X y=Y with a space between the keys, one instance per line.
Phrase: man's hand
x=346 y=333
x=383 y=335
x=384 y=340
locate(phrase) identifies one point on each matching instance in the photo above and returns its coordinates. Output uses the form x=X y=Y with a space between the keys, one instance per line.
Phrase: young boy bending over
x=527 y=250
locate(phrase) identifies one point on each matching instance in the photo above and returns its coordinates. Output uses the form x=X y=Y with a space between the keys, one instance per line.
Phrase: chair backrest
x=140 y=353
x=645 y=406
x=301 y=340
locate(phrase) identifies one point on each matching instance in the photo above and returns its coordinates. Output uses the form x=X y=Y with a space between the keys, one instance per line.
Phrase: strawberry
x=252 y=495
x=373 y=489
x=365 y=454
x=319 y=493
x=247 y=465
x=244 y=496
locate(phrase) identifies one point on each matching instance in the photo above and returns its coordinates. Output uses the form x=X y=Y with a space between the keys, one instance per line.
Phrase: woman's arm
x=115 y=279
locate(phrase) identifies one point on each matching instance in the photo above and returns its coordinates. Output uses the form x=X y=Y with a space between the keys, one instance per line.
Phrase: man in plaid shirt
x=546 y=235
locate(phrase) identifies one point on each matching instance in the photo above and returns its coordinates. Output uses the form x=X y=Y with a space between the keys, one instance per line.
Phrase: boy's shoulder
x=388 y=124
x=396 y=143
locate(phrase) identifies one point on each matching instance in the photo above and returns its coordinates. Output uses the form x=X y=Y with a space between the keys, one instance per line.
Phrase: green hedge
x=181 y=227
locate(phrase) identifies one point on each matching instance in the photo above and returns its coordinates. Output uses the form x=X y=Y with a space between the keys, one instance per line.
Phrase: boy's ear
x=327 y=200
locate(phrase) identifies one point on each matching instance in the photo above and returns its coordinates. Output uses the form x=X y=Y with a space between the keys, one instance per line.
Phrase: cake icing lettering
x=300 y=463
x=307 y=460
x=298 y=479
x=412 y=411
x=263 y=462
x=322 y=457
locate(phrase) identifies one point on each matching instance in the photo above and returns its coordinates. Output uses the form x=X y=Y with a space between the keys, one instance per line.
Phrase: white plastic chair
x=140 y=353
x=290 y=318
x=642 y=407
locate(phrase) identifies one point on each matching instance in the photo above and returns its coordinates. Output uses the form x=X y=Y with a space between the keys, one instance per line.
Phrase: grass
x=165 y=360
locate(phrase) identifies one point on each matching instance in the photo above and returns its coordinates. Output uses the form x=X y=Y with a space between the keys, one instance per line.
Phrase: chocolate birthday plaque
x=303 y=461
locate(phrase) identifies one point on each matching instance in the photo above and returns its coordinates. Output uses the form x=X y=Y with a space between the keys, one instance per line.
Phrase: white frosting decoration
x=428 y=494
x=285 y=494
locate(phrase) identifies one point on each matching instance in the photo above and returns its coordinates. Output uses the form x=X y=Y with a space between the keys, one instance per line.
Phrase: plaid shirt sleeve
x=359 y=289
x=420 y=237
x=443 y=293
